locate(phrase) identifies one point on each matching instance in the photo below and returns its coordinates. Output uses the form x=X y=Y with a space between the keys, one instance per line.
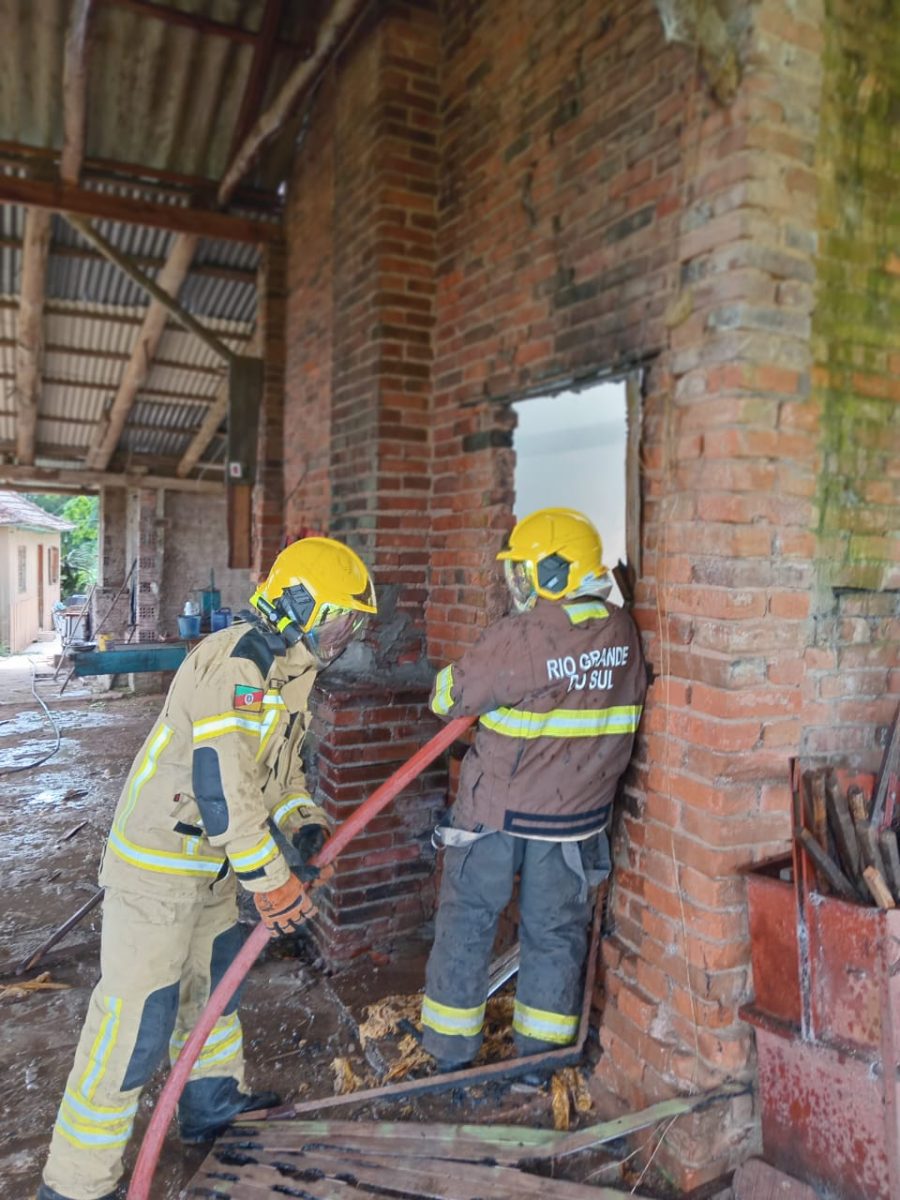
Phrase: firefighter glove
x=308 y=841
x=285 y=909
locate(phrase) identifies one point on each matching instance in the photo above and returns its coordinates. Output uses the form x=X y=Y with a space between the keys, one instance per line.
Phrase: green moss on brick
x=856 y=324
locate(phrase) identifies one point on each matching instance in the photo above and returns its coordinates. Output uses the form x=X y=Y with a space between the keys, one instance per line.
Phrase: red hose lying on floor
x=148 y=1157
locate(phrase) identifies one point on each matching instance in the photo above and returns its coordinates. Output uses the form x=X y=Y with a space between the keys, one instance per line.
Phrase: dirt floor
x=53 y=822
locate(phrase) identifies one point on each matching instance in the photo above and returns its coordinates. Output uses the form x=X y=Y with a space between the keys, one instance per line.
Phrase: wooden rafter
x=29 y=338
x=175 y=16
x=146 y=262
x=259 y=72
x=68 y=198
x=183 y=249
x=75 y=91
x=140 y=364
x=161 y=180
x=145 y=396
x=341 y=15
x=38 y=477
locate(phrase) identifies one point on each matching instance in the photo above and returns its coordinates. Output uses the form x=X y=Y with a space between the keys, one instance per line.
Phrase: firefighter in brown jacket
x=558 y=689
x=218 y=775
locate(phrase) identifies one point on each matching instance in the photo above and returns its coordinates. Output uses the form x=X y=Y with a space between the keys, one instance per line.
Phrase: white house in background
x=29 y=570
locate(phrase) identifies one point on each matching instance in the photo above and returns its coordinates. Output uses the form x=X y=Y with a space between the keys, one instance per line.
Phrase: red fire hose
x=148 y=1157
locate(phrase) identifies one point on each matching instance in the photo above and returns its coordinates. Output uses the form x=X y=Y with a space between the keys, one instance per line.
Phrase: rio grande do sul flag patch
x=249 y=699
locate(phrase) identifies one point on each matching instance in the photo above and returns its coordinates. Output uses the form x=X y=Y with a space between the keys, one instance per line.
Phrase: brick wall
x=598 y=210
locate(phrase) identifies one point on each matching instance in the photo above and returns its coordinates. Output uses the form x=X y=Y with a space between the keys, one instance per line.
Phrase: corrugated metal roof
x=159 y=94
x=166 y=97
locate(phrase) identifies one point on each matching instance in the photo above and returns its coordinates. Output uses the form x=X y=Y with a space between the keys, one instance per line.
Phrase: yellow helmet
x=552 y=553
x=318 y=590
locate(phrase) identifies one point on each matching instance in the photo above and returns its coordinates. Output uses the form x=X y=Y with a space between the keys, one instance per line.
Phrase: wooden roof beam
x=139 y=366
x=40 y=478
x=75 y=91
x=341 y=16
x=30 y=333
x=175 y=16
x=147 y=262
x=259 y=72
x=69 y=198
x=181 y=253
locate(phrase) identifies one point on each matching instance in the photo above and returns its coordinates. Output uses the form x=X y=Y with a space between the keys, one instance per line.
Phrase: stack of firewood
x=849 y=839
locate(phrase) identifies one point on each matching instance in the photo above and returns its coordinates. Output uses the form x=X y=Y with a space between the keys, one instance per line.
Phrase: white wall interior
x=570 y=453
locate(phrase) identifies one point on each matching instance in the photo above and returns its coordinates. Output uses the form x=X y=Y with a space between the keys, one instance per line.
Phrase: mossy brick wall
x=853 y=678
x=509 y=196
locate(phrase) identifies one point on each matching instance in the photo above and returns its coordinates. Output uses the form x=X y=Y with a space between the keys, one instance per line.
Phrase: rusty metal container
x=826 y=1013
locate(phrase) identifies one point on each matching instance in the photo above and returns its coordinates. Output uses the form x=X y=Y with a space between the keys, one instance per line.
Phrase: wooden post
x=35 y=250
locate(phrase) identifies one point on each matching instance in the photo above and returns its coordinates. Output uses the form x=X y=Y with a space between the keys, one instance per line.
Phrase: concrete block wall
x=197 y=543
x=510 y=197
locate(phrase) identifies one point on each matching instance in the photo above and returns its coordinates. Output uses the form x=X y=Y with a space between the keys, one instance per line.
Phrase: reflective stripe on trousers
x=554 y=907
x=158 y=959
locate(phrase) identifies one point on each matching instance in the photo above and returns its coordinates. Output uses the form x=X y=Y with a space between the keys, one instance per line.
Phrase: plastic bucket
x=189 y=627
x=220 y=618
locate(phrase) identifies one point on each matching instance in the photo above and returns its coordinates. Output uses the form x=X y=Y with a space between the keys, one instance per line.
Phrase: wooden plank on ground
x=430 y=1179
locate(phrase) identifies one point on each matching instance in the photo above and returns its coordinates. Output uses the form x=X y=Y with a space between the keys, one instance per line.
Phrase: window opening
x=571 y=452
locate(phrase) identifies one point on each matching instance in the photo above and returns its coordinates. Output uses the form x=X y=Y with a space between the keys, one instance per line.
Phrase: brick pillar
x=731 y=461
x=268 y=493
x=359 y=402
x=384 y=881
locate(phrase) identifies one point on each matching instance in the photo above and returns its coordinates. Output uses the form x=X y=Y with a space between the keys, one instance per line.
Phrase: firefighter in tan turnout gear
x=218 y=773
x=558 y=689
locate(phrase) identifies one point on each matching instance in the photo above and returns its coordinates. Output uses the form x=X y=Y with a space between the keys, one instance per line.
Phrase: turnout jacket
x=558 y=692
x=219 y=768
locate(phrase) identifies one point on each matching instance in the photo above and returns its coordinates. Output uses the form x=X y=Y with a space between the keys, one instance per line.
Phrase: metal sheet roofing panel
x=180 y=381
x=167 y=416
x=163 y=444
x=79 y=404
x=114 y=331
x=207 y=296
x=170 y=96
x=60 y=433
x=31 y=66
x=82 y=368
x=177 y=345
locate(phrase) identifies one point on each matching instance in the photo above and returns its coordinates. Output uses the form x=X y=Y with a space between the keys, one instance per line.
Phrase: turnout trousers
x=555 y=902
x=159 y=958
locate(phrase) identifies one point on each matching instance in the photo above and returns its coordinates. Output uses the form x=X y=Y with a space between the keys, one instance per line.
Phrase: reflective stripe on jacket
x=559 y=693
x=218 y=769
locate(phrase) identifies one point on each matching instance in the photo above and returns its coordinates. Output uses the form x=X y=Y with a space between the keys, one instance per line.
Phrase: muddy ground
x=297 y=1020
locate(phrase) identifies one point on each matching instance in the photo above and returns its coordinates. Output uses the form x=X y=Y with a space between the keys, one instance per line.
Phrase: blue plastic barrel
x=189 y=627
x=221 y=618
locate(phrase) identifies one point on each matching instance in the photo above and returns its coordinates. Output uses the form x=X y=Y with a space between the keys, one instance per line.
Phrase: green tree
x=79 y=546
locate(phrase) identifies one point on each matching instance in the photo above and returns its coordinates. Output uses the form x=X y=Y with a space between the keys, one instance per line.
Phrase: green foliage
x=79 y=546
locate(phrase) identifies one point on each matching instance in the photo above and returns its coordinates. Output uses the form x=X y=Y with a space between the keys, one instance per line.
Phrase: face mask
x=334 y=633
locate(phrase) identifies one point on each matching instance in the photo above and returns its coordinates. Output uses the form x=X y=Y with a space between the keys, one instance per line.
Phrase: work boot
x=195 y=1135
x=45 y=1192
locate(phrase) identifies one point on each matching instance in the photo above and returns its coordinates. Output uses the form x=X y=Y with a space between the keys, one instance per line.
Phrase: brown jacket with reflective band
x=220 y=762
x=559 y=692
